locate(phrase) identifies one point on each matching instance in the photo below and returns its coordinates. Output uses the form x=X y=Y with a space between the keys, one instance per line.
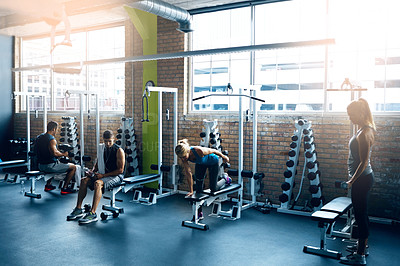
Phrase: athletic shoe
x=353 y=249
x=89 y=218
x=48 y=188
x=228 y=179
x=75 y=214
x=354 y=259
x=65 y=191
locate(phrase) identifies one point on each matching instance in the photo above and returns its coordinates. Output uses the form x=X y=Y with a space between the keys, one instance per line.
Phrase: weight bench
x=208 y=197
x=326 y=218
x=137 y=181
x=9 y=164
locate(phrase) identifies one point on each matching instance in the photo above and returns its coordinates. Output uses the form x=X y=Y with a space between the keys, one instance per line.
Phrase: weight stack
x=69 y=135
x=126 y=139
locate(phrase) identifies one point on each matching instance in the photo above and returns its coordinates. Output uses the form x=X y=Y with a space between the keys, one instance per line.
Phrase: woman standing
x=361 y=176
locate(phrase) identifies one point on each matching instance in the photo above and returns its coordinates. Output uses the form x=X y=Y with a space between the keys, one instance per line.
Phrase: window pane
x=108 y=80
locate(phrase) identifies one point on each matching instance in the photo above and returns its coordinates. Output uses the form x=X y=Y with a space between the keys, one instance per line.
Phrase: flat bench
x=208 y=197
x=326 y=218
x=136 y=181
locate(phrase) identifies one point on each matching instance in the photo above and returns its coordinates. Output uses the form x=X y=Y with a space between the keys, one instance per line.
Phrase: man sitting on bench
x=47 y=153
x=106 y=173
x=204 y=158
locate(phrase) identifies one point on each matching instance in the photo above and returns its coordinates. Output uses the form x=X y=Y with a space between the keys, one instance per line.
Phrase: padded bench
x=326 y=218
x=208 y=197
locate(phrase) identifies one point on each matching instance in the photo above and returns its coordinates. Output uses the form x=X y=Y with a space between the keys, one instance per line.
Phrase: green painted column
x=146 y=24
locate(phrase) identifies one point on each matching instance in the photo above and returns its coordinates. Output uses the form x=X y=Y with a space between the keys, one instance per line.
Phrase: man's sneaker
x=65 y=191
x=354 y=259
x=353 y=249
x=49 y=187
x=89 y=218
x=228 y=179
x=75 y=214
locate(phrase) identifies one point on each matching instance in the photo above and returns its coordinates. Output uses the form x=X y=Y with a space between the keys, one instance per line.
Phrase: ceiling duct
x=167 y=11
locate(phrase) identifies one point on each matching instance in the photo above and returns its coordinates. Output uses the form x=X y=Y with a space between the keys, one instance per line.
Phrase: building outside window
x=95 y=44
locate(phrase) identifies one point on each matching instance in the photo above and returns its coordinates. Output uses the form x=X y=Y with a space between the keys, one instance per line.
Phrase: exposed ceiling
x=23 y=18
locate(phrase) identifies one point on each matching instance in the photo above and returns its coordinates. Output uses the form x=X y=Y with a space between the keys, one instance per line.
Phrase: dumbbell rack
x=303 y=131
x=69 y=135
x=126 y=139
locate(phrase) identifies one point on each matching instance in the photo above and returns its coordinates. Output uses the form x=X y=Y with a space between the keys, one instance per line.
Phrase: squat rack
x=253 y=102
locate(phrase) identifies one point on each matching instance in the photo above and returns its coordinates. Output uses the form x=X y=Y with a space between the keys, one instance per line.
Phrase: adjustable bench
x=326 y=218
x=208 y=197
x=137 y=181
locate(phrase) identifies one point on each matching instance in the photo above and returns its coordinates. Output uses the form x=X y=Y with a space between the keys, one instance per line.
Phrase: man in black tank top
x=47 y=153
x=106 y=173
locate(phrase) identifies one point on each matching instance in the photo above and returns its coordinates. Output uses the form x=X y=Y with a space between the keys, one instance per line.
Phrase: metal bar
x=160 y=140
x=175 y=140
x=81 y=131
x=28 y=132
x=255 y=121
x=226 y=94
x=162 y=89
x=240 y=159
x=97 y=125
x=152 y=57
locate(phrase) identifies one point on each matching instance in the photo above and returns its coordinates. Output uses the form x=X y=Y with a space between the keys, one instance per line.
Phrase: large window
x=366 y=50
x=107 y=80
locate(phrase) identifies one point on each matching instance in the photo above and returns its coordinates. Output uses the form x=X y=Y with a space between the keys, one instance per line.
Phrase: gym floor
x=35 y=232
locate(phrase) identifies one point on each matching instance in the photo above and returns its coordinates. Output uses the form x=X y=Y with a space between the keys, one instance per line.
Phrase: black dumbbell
x=293 y=145
x=310 y=154
x=308 y=145
x=283 y=198
x=119 y=136
x=62 y=134
x=313 y=189
x=87 y=207
x=315 y=202
x=119 y=130
x=311 y=165
x=259 y=175
x=295 y=138
x=128 y=151
x=225 y=152
x=288 y=174
x=202 y=134
x=126 y=131
x=285 y=186
x=306 y=131
x=127 y=136
x=213 y=141
x=118 y=142
x=292 y=153
x=300 y=122
x=308 y=138
x=289 y=163
x=104 y=215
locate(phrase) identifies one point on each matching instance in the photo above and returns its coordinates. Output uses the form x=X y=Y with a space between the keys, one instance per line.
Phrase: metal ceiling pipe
x=167 y=11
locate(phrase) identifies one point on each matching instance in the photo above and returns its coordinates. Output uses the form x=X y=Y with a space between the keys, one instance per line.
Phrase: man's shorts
x=109 y=182
x=56 y=167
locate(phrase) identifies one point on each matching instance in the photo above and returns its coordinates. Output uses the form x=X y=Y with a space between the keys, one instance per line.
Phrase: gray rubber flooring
x=35 y=232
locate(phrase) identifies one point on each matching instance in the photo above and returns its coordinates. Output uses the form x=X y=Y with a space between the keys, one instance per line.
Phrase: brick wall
x=331 y=132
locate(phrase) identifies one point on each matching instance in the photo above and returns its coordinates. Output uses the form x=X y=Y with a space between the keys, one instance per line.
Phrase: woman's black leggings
x=359 y=197
x=200 y=175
